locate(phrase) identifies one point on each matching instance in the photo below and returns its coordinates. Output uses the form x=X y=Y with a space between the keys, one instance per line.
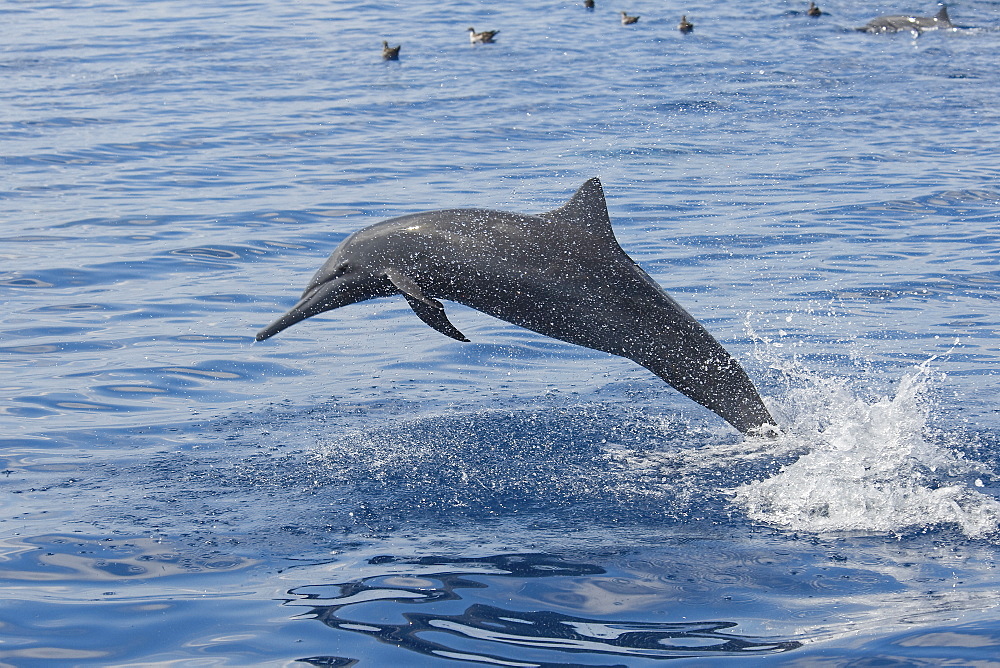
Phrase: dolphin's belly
x=628 y=315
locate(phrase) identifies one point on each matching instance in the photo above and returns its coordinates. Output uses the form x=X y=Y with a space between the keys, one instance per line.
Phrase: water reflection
x=484 y=633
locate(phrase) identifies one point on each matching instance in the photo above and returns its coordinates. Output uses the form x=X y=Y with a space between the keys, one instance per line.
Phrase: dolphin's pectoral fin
x=433 y=314
x=427 y=308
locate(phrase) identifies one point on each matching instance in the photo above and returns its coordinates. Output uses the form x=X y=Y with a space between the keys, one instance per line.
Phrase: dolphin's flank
x=561 y=274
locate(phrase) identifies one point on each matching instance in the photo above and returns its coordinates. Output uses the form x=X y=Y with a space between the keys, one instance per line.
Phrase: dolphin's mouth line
x=310 y=299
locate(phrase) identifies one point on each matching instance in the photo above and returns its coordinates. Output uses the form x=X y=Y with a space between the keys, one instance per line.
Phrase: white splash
x=867 y=465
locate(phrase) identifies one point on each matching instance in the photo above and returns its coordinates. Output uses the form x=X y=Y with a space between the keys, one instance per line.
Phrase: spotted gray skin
x=902 y=23
x=561 y=274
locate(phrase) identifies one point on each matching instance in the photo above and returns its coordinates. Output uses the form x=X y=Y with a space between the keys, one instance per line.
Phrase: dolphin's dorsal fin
x=587 y=209
x=942 y=15
x=427 y=308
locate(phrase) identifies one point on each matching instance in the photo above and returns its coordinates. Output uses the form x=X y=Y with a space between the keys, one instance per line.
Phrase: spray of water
x=866 y=464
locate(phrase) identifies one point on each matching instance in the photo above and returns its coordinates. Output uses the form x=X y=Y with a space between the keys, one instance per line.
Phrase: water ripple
x=488 y=634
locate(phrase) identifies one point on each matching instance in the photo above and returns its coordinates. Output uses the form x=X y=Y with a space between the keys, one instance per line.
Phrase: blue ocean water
x=361 y=490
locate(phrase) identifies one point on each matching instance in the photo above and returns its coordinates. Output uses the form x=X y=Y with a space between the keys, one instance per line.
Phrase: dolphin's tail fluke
x=733 y=398
x=712 y=377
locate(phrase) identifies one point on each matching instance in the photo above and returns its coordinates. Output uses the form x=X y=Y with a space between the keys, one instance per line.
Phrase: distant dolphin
x=901 y=23
x=560 y=273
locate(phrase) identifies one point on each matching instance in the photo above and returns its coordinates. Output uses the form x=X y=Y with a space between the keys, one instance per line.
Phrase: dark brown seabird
x=390 y=52
x=484 y=37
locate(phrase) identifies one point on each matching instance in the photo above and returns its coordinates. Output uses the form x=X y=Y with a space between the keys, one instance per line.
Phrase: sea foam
x=867 y=464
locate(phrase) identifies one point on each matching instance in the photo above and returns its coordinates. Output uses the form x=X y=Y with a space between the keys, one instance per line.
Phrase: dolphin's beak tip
x=265 y=333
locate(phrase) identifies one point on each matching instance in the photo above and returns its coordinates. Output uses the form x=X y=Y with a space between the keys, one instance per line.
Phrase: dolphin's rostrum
x=560 y=273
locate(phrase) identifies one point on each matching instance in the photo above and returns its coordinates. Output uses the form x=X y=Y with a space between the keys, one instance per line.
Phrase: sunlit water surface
x=361 y=490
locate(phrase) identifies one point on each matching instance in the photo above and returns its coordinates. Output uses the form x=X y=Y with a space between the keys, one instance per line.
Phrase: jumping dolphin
x=561 y=274
x=903 y=23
